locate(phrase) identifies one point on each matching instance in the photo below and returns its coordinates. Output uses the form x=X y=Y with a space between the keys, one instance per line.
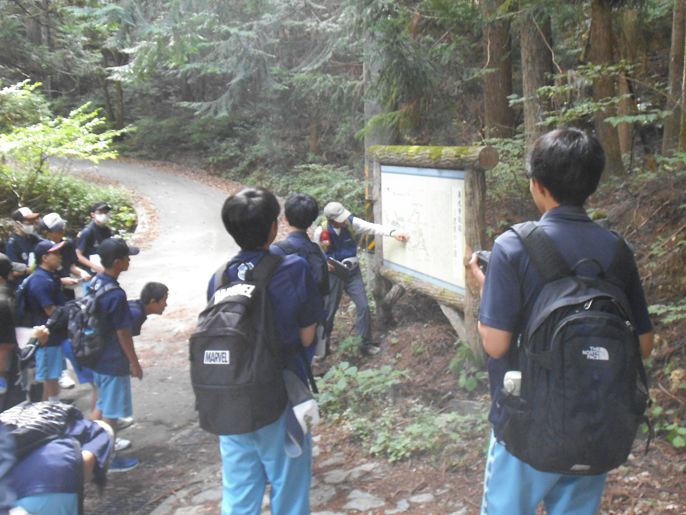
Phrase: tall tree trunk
x=625 y=108
x=119 y=94
x=629 y=49
x=682 y=124
x=604 y=87
x=498 y=116
x=45 y=41
x=537 y=61
x=380 y=136
x=676 y=72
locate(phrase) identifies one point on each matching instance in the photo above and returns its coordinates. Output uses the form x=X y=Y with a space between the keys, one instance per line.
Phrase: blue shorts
x=50 y=504
x=250 y=460
x=49 y=363
x=114 y=398
x=512 y=487
x=85 y=375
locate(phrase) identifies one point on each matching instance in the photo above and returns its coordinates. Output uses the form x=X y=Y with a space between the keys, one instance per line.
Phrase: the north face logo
x=597 y=353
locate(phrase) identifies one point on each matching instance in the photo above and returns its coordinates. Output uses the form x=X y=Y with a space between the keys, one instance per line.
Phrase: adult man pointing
x=337 y=237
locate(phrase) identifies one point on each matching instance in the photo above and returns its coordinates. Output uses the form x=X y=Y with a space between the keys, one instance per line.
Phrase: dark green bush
x=326 y=183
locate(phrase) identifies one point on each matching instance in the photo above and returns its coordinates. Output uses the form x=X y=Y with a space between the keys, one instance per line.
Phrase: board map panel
x=428 y=205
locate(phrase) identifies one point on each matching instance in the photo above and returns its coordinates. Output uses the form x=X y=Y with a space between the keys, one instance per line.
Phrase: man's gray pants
x=354 y=287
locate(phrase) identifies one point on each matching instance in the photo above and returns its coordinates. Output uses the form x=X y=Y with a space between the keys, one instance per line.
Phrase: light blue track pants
x=252 y=459
x=512 y=487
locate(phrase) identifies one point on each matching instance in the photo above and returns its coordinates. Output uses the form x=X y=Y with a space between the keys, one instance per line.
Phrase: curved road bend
x=191 y=244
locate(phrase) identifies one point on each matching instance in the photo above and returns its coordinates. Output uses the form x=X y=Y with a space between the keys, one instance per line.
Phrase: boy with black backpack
x=119 y=362
x=301 y=210
x=564 y=318
x=275 y=303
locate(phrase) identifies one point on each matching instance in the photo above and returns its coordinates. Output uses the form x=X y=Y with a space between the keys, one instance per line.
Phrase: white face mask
x=102 y=217
x=27 y=229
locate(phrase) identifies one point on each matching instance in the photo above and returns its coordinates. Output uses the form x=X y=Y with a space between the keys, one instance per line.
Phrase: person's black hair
x=569 y=163
x=107 y=262
x=249 y=215
x=301 y=210
x=153 y=291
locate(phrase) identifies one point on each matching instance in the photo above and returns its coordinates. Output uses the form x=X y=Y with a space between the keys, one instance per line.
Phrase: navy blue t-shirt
x=137 y=315
x=115 y=315
x=513 y=284
x=44 y=289
x=90 y=238
x=51 y=468
x=19 y=247
x=295 y=300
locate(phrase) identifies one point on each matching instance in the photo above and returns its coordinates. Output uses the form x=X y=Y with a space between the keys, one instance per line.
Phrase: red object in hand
x=326 y=238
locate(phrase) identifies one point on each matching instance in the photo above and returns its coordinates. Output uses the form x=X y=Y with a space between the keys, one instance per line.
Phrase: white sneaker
x=121 y=443
x=123 y=423
x=66 y=382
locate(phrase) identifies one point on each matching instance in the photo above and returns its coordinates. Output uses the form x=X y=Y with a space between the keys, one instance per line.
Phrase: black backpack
x=236 y=366
x=584 y=390
x=84 y=327
x=35 y=424
x=22 y=309
x=315 y=258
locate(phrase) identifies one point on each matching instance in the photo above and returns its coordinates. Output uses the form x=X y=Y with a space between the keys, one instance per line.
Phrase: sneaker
x=66 y=382
x=121 y=444
x=123 y=423
x=120 y=464
x=372 y=350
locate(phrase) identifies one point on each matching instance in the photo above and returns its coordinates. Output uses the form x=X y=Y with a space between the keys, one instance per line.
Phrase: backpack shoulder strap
x=264 y=269
x=349 y=225
x=543 y=253
x=220 y=276
x=623 y=258
x=286 y=246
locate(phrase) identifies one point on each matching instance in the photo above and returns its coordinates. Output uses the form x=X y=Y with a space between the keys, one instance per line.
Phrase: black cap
x=116 y=248
x=99 y=205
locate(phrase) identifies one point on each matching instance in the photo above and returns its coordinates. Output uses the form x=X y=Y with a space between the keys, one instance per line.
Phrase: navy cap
x=115 y=248
x=45 y=246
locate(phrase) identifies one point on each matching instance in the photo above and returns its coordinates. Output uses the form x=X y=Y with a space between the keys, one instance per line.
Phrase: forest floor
x=354 y=474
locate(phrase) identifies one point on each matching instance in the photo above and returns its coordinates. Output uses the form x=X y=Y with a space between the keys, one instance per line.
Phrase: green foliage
x=350 y=346
x=360 y=398
x=76 y=136
x=346 y=387
x=467 y=366
x=28 y=148
x=21 y=105
x=671 y=312
x=326 y=183
x=666 y=425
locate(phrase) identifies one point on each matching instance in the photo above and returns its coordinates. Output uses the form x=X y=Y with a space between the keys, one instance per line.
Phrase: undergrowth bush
x=326 y=183
x=362 y=399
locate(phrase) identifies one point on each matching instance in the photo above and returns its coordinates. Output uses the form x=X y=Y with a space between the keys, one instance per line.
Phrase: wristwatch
x=392 y=232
